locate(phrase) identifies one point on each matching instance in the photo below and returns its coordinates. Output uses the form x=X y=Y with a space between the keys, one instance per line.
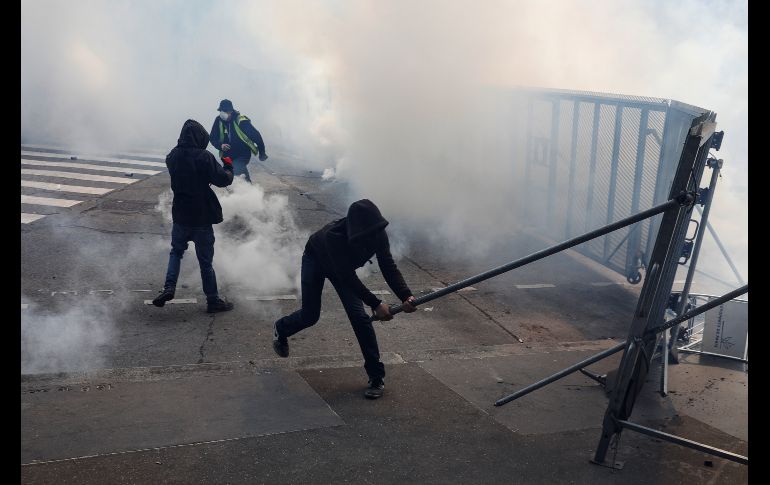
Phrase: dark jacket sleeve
x=253 y=135
x=346 y=275
x=390 y=271
x=214 y=135
x=216 y=174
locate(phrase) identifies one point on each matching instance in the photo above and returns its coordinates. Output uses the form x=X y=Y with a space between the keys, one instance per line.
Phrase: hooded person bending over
x=334 y=252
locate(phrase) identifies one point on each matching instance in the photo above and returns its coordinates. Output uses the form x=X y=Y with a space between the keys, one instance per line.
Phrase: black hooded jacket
x=238 y=148
x=192 y=168
x=348 y=243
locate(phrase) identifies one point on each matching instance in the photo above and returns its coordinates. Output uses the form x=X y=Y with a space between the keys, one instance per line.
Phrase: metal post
x=634 y=239
x=681 y=199
x=592 y=166
x=553 y=160
x=657 y=285
x=722 y=248
x=572 y=161
x=715 y=166
x=529 y=156
x=613 y=171
x=664 y=366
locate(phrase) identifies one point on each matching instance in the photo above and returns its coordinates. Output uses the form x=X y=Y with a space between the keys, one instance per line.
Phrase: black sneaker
x=166 y=294
x=219 y=305
x=280 y=344
x=375 y=389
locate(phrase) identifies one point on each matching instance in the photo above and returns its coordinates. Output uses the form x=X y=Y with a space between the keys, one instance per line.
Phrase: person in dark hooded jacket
x=194 y=210
x=334 y=252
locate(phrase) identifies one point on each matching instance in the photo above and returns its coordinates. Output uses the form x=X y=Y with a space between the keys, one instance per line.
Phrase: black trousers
x=313 y=278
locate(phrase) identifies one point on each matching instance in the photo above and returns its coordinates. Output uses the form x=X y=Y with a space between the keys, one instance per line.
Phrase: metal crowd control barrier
x=612 y=155
x=648 y=319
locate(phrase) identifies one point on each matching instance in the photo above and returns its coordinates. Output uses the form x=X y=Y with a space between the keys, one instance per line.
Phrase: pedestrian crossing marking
x=26 y=218
x=78 y=189
x=157 y=155
x=268 y=298
x=79 y=176
x=48 y=201
x=88 y=166
x=174 y=301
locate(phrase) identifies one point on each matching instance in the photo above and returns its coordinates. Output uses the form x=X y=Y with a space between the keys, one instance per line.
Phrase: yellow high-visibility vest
x=239 y=132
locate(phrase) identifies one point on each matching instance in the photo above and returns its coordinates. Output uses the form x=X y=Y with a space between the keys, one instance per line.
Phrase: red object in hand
x=227 y=161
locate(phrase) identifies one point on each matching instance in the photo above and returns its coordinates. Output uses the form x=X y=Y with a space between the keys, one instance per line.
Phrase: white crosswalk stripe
x=78 y=189
x=52 y=178
x=79 y=176
x=88 y=166
x=31 y=199
x=159 y=155
x=27 y=218
x=127 y=161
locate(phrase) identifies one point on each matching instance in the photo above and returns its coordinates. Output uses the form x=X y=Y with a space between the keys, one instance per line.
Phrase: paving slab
x=114 y=417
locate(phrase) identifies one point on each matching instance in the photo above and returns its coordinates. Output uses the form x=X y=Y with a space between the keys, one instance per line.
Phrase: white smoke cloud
x=394 y=96
x=76 y=339
x=258 y=246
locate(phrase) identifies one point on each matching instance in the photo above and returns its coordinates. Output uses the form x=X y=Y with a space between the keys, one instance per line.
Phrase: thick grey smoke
x=426 y=137
x=394 y=97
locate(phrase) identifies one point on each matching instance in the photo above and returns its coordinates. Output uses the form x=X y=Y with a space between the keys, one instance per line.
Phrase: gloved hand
x=227 y=163
x=262 y=157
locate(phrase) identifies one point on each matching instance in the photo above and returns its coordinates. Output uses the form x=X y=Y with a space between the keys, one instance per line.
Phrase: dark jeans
x=203 y=237
x=312 y=284
x=240 y=166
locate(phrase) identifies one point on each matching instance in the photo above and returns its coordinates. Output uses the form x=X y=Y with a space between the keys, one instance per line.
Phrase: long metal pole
x=682 y=199
x=744 y=460
x=606 y=353
x=614 y=170
x=701 y=309
x=715 y=165
x=560 y=374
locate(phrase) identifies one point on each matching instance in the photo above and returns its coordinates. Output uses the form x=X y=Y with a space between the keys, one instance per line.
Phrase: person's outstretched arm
x=254 y=136
x=392 y=275
x=221 y=176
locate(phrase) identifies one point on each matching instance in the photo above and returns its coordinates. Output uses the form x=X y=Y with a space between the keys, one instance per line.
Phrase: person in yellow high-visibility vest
x=235 y=137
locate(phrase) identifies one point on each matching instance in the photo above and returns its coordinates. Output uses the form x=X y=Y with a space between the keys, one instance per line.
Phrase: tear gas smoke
x=258 y=246
x=76 y=339
x=396 y=97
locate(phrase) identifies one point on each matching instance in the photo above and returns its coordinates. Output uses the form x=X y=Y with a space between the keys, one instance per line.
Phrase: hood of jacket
x=364 y=219
x=193 y=135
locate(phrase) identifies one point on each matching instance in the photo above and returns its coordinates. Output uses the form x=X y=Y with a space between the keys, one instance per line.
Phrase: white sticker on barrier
x=726 y=330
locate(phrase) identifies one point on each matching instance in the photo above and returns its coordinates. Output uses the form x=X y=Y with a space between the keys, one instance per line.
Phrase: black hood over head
x=193 y=135
x=364 y=219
